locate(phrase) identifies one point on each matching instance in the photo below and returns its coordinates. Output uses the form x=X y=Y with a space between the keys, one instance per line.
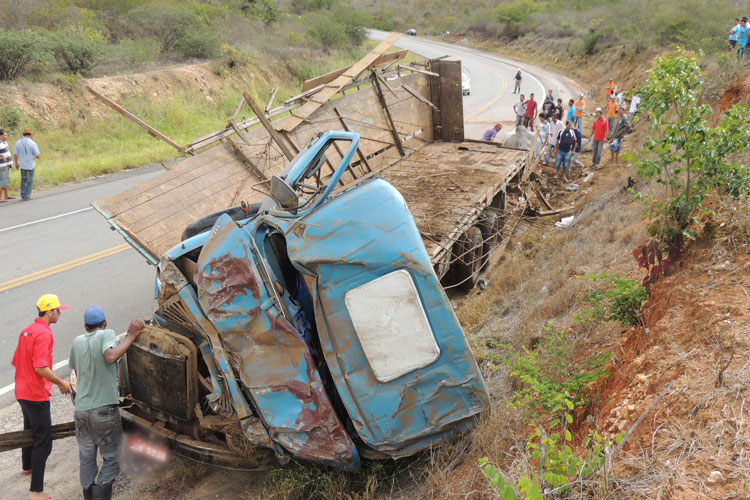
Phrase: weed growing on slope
x=620 y=300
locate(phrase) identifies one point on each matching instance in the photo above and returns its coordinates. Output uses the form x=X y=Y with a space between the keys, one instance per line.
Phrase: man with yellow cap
x=34 y=379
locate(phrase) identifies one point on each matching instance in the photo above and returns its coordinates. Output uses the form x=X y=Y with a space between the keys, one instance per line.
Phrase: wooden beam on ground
x=22 y=439
x=336 y=85
x=388 y=58
x=362 y=157
x=419 y=96
x=387 y=111
x=151 y=130
x=269 y=127
x=270 y=99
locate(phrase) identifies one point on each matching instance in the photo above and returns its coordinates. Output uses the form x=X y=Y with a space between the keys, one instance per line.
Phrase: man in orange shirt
x=34 y=379
x=611 y=112
x=610 y=89
x=580 y=104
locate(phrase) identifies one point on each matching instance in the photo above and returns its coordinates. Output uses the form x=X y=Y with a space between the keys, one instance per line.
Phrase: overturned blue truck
x=301 y=274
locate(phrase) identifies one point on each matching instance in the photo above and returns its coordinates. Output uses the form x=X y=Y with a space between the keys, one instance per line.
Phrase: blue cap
x=94 y=315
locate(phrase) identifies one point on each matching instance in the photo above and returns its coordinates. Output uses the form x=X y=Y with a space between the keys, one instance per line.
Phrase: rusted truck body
x=302 y=310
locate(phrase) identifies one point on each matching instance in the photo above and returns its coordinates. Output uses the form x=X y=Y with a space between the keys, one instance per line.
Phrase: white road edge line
x=56 y=366
x=44 y=220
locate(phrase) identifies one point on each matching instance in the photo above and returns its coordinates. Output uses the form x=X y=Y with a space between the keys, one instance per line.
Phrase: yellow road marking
x=494 y=99
x=22 y=280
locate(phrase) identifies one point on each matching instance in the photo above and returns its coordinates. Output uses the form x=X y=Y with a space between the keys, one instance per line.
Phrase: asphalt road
x=57 y=243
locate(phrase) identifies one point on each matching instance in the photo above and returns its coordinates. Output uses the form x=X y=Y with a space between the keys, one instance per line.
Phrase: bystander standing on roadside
x=734 y=33
x=580 y=105
x=555 y=127
x=517 y=79
x=6 y=162
x=565 y=144
x=94 y=356
x=619 y=96
x=548 y=107
x=571 y=116
x=635 y=101
x=599 y=135
x=519 y=108
x=543 y=139
x=551 y=97
x=34 y=379
x=742 y=38
x=491 y=133
x=579 y=142
x=610 y=89
x=530 y=116
x=559 y=109
x=612 y=113
x=25 y=156
x=623 y=127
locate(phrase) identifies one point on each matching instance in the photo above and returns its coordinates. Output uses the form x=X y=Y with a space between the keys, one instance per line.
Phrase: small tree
x=684 y=152
x=78 y=50
x=19 y=50
x=513 y=14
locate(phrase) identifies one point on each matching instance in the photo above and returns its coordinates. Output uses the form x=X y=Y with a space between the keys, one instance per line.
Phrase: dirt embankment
x=68 y=101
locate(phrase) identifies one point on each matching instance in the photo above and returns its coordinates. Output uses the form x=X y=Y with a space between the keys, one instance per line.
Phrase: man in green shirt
x=94 y=357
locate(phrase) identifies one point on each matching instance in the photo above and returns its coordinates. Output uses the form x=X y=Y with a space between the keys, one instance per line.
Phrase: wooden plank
x=381 y=97
x=21 y=439
x=151 y=130
x=362 y=157
x=270 y=99
x=247 y=161
x=267 y=124
x=388 y=58
x=451 y=101
x=332 y=88
x=417 y=70
x=237 y=111
x=419 y=96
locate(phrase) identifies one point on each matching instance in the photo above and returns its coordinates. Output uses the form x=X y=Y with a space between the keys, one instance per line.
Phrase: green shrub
x=78 y=50
x=166 y=23
x=20 y=49
x=328 y=32
x=201 y=43
x=514 y=14
x=137 y=52
x=620 y=301
x=591 y=42
x=10 y=118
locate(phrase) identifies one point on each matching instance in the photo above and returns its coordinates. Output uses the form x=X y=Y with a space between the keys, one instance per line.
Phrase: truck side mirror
x=283 y=194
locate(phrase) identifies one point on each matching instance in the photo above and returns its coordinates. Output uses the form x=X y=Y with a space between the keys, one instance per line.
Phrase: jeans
x=574 y=160
x=549 y=153
x=578 y=122
x=27 y=183
x=98 y=428
x=519 y=120
x=36 y=416
x=611 y=122
x=564 y=159
x=598 y=148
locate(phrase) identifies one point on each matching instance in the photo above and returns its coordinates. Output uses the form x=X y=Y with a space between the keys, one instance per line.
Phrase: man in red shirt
x=600 y=129
x=528 y=120
x=34 y=379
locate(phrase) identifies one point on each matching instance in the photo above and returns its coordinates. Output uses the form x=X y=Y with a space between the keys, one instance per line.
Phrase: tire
x=207 y=221
x=469 y=258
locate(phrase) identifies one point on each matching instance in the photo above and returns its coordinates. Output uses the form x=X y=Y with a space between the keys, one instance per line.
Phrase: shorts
x=4 y=177
x=733 y=43
x=615 y=146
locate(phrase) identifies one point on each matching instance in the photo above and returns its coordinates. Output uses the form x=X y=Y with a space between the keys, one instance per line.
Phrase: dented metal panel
x=361 y=235
x=274 y=363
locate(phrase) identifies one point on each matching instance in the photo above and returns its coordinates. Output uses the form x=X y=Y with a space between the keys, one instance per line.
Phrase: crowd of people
x=738 y=38
x=93 y=357
x=23 y=157
x=561 y=132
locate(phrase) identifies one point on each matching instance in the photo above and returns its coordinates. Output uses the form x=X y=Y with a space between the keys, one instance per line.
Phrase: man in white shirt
x=519 y=108
x=6 y=161
x=634 y=103
x=25 y=158
x=555 y=127
x=543 y=140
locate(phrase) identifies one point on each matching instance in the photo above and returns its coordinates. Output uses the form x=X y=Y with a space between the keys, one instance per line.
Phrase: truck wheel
x=207 y=221
x=469 y=257
x=490 y=226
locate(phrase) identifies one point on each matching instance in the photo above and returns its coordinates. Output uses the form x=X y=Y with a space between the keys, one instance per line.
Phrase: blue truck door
x=274 y=363
x=391 y=340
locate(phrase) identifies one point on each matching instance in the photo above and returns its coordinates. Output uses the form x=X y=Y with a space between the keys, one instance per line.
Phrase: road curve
x=57 y=244
x=491 y=97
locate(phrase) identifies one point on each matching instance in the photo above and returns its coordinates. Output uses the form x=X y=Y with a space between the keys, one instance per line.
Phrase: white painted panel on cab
x=391 y=325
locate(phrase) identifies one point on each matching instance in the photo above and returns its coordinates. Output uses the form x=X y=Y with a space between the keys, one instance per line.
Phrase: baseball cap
x=26 y=131
x=49 y=301
x=598 y=110
x=93 y=315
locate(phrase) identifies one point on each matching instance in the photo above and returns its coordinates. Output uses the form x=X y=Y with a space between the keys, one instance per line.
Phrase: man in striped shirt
x=6 y=160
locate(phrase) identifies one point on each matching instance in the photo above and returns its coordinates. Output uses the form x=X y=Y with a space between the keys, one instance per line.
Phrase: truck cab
x=310 y=325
